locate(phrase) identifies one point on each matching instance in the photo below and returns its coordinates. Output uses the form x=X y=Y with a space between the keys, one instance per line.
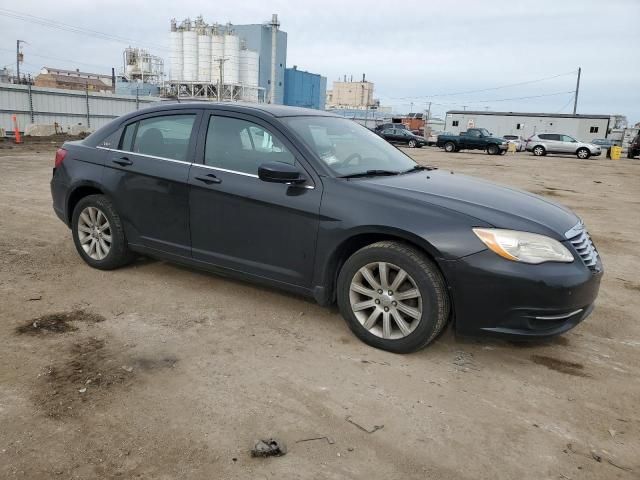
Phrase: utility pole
x=19 y=57
x=221 y=79
x=575 y=101
x=274 y=40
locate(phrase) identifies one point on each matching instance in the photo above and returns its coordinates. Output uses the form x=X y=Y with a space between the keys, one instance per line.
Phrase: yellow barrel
x=615 y=152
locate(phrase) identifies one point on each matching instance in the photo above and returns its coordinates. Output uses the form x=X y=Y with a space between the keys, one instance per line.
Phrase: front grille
x=581 y=241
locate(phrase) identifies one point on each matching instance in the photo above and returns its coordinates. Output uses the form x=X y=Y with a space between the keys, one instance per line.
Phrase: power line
x=48 y=57
x=71 y=28
x=527 y=82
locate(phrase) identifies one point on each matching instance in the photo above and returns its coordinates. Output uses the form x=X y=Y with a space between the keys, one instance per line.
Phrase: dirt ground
x=157 y=371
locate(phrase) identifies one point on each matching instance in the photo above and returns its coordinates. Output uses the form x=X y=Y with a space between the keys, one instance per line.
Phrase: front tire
x=583 y=153
x=449 y=147
x=493 y=149
x=393 y=297
x=98 y=233
x=412 y=144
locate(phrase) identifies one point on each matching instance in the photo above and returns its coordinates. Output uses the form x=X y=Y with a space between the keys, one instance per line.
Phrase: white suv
x=544 y=143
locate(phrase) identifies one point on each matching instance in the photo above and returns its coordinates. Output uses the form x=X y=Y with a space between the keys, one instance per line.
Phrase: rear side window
x=166 y=136
x=242 y=146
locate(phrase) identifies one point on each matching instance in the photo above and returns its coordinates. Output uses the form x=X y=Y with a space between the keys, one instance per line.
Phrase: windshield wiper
x=370 y=173
x=418 y=168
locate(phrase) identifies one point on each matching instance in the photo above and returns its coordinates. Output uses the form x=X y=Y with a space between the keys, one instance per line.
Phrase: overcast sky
x=414 y=51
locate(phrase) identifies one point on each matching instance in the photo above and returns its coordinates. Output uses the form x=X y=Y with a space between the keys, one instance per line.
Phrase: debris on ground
x=465 y=361
x=269 y=448
x=329 y=440
x=58 y=322
x=375 y=428
x=127 y=368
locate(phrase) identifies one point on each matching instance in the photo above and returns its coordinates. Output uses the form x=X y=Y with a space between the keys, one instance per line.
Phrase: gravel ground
x=157 y=371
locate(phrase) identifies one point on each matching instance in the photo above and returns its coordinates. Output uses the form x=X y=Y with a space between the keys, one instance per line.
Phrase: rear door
x=147 y=178
x=241 y=222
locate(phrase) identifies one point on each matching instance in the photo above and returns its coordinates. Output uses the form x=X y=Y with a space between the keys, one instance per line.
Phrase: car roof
x=261 y=109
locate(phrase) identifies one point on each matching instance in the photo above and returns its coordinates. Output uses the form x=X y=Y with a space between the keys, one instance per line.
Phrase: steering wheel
x=354 y=156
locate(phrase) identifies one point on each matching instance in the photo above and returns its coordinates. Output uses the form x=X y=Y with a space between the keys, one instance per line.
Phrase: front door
x=241 y=222
x=147 y=178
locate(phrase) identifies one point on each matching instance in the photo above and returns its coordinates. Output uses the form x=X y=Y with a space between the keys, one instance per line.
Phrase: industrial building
x=582 y=127
x=74 y=80
x=304 y=89
x=227 y=62
x=351 y=95
x=142 y=73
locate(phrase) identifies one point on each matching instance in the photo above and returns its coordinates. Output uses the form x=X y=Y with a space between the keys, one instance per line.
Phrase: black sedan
x=318 y=205
x=402 y=136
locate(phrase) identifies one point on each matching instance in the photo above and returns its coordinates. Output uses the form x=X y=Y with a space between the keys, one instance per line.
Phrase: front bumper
x=497 y=297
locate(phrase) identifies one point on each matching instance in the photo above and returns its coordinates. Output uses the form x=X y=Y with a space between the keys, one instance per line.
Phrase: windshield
x=347 y=147
x=484 y=132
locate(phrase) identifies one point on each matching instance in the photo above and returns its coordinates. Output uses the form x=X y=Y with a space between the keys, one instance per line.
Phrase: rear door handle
x=123 y=161
x=209 y=179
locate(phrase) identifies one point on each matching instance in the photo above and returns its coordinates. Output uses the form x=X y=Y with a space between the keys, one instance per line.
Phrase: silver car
x=543 y=143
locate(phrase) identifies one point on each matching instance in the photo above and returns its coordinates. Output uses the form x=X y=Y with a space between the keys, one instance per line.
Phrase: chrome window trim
x=308 y=187
x=145 y=155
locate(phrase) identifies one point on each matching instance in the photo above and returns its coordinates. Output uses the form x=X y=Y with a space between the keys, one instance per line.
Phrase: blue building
x=258 y=37
x=304 y=89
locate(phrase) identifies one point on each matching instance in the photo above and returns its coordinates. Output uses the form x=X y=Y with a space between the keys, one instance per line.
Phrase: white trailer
x=582 y=127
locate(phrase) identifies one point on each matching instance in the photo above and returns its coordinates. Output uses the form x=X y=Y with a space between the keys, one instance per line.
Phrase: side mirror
x=278 y=172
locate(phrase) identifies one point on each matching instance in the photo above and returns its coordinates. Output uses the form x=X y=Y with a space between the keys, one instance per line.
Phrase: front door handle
x=209 y=179
x=123 y=161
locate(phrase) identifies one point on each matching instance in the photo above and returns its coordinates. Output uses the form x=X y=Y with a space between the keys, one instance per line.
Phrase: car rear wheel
x=412 y=144
x=393 y=297
x=493 y=149
x=539 y=151
x=98 y=233
x=449 y=147
x=583 y=153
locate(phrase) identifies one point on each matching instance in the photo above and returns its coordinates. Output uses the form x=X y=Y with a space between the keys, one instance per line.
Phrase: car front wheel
x=583 y=153
x=98 y=233
x=412 y=144
x=393 y=297
x=493 y=149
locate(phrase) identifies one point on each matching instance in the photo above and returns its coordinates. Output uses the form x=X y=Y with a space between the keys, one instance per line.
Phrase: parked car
x=473 y=139
x=544 y=143
x=432 y=139
x=399 y=136
x=385 y=126
x=634 y=147
x=605 y=143
x=516 y=140
x=316 y=204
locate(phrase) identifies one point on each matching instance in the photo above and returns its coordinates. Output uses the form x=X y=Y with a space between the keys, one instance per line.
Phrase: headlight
x=523 y=246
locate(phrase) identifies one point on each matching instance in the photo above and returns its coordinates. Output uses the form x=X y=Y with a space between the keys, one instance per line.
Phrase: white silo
x=249 y=67
x=190 y=55
x=204 y=57
x=175 y=52
x=217 y=52
x=232 y=57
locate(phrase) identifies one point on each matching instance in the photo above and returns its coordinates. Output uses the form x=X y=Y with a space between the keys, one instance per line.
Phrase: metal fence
x=65 y=107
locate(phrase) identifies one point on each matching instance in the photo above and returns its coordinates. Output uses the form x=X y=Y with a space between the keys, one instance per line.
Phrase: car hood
x=497 y=205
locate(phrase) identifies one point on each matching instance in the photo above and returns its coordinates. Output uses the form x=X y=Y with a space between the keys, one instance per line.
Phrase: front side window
x=242 y=146
x=166 y=136
x=346 y=147
x=567 y=138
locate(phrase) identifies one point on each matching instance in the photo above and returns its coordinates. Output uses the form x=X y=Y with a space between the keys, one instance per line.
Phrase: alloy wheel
x=94 y=233
x=386 y=300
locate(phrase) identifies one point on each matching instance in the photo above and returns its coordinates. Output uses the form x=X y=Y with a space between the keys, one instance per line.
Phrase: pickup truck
x=473 y=139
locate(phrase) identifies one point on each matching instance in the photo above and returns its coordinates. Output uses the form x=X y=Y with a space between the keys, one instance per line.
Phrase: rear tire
x=583 y=153
x=417 y=308
x=98 y=233
x=539 y=151
x=449 y=147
